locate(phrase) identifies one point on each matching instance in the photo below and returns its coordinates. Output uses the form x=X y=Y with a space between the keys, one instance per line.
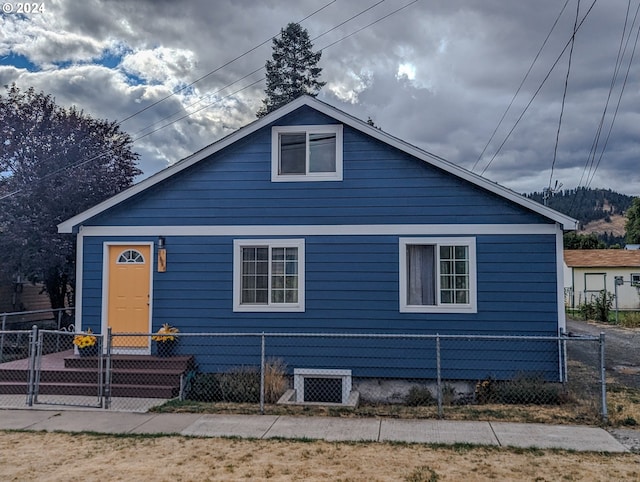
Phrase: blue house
x=311 y=221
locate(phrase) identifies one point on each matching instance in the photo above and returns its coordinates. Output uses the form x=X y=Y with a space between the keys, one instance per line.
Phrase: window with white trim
x=306 y=153
x=635 y=279
x=438 y=275
x=268 y=275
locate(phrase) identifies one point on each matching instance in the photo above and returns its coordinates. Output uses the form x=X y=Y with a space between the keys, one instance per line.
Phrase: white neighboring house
x=588 y=271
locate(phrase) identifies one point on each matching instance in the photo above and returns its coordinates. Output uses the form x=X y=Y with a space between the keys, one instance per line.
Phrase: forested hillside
x=601 y=210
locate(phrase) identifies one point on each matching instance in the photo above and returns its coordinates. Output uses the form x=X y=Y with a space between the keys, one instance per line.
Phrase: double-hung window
x=438 y=275
x=306 y=153
x=268 y=275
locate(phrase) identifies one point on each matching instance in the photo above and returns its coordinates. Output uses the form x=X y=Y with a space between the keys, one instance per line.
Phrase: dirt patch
x=29 y=456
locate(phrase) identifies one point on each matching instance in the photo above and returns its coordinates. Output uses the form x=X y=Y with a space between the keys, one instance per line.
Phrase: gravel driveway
x=622 y=349
x=622 y=363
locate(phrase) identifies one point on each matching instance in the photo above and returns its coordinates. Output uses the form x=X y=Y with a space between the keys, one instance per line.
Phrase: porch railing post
x=439 y=376
x=262 y=368
x=603 y=380
x=33 y=349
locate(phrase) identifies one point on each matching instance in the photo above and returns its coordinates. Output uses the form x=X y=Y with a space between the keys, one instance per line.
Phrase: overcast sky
x=437 y=74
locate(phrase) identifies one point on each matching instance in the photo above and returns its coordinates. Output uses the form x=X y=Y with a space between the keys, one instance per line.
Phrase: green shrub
x=205 y=387
x=240 y=385
x=531 y=390
x=598 y=308
x=419 y=396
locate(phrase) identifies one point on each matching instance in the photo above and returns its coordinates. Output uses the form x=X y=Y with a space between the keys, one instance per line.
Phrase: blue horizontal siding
x=351 y=287
x=381 y=185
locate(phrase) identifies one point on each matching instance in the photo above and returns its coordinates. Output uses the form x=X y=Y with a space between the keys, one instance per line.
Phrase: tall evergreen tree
x=54 y=163
x=293 y=70
x=632 y=226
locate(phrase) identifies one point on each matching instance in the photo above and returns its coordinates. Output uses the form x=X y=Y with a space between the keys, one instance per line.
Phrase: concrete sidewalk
x=569 y=437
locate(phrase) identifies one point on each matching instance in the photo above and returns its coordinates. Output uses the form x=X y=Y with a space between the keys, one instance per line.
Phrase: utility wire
x=218 y=68
x=564 y=97
x=537 y=91
x=104 y=153
x=263 y=78
x=589 y=163
x=211 y=94
x=520 y=86
x=65 y=168
x=615 y=113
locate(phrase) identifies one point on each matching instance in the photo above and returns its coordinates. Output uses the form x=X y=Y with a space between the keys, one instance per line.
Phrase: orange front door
x=129 y=294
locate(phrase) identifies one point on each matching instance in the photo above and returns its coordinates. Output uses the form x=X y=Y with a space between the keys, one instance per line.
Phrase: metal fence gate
x=60 y=377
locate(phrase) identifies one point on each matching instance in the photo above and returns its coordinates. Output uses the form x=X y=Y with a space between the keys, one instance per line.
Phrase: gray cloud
x=437 y=74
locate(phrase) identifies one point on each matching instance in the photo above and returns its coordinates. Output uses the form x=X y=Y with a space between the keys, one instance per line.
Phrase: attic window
x=306 y=153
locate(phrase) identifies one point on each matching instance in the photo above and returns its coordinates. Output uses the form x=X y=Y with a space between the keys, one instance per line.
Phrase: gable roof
x=601 y=258
x=566 y=222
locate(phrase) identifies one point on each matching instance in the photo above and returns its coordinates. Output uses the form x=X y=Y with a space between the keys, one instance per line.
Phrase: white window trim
x=308 y=129
x=471 y=307
x=237 y=275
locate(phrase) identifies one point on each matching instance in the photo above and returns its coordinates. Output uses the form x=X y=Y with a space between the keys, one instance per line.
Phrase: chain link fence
x=449 y=376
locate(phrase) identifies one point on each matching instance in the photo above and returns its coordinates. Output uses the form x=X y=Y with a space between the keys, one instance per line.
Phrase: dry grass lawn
x=26 y=456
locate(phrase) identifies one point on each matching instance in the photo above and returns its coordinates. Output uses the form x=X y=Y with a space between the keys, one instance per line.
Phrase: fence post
x=603 y=380
x=4 y=325
x=33 y=349
x=106 y=394
x=562 y=355
x=262 y=368
x=438 y=375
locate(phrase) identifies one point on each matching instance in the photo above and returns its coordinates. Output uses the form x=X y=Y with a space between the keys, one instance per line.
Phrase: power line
x=261 y=68
x=537 y=91
x=520 y=86
x=247 y=75
x=589 y=164
x=219 y=68
x=564 y=96
x=615 y=113
x=233 y=93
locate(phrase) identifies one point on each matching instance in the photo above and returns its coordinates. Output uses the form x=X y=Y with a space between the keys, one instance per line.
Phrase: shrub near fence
x=536 y=372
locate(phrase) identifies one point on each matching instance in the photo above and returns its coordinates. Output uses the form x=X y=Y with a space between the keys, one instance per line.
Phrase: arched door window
x=130 y=256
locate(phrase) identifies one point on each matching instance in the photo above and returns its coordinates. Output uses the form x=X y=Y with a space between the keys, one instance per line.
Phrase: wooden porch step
x=139 y=362
x=91 y=390
x=137 y=376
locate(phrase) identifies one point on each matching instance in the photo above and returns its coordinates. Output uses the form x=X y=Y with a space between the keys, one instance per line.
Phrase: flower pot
x=88 y=351
x=166 y=348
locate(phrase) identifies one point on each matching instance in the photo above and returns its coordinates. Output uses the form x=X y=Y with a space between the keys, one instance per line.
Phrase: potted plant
x=87 y=343
x=166 y=339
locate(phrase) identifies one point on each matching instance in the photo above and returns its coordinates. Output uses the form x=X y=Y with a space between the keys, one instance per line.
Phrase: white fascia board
x=325 y=230
x=566 y=222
